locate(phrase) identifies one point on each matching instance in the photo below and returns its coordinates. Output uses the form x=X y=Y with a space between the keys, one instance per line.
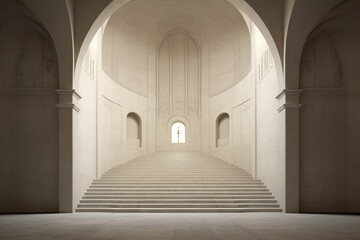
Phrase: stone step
x=179 y=205
x=260 y=192
x=168 y=201
x=228 y=190
x=178 y=210
x=177 y=182
x=183 y=174
x=175 y=167
x=205 y=196
x=170 y=187
x=173 y=177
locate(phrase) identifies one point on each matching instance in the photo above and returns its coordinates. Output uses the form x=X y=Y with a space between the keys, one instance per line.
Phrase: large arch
x=298 y=31
x=244 y=7
x=271 y=29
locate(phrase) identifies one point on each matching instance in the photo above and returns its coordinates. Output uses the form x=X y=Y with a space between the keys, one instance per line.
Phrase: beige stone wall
x=329 y=153
x=238 y=102
x=270 y=142
x=29 y=116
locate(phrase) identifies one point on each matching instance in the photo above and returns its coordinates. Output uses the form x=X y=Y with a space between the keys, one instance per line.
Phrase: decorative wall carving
x=178 y=106
x=193 y=106
x=89 y=64
x=265 y=64
x=163 y=106
x=178 y=74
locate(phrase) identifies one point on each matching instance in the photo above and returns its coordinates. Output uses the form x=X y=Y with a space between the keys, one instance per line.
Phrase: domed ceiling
x=134 y=32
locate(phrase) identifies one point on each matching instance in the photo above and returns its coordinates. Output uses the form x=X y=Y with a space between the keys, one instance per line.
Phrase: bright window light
x=178 y=133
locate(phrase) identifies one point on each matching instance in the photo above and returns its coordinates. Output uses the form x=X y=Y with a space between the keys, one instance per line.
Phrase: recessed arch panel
x=222 y=130
x=134 y=131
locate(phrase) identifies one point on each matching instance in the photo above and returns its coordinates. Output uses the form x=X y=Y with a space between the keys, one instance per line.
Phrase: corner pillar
x=67 y=108
x=289 y=106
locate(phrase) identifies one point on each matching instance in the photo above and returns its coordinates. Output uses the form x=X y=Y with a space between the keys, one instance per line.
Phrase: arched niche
x=178 y=72
x=223 y=130
x=37 y=67
x=133 y=123
x=319 y=63
x=178 y=132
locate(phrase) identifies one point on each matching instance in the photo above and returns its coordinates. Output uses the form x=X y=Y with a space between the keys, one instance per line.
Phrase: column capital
x=72 y=92
x=288 y=92
x=68 y=99
x=289 y=99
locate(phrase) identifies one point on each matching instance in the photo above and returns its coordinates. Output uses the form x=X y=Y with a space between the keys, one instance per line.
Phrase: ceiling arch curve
x=245 y=6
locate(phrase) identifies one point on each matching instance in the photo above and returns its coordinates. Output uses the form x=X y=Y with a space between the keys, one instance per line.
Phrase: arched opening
x=133 y=129
x=178 y=131
x=223 y=130
x=186 y=68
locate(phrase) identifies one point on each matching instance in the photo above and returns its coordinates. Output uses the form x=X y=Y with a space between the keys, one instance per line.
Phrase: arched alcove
x=178 y=133
x=323 y=125
x=37 y=66
x=223 y=130
x=319 y=63
x=133 y=123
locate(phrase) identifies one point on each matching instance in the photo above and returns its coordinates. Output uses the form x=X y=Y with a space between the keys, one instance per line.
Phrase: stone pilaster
x=68 y=106
x=289 y=106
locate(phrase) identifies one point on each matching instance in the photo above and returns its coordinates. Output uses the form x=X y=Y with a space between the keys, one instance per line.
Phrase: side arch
x=320 y=65
x=134 y=129
x=223 y=130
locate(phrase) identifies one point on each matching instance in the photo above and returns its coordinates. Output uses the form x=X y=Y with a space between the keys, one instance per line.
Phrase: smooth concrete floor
x=160 y=226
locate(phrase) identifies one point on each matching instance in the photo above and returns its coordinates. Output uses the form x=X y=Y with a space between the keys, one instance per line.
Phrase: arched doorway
x=178 y=131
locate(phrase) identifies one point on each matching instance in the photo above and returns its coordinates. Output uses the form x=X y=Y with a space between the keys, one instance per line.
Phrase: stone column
x=289 y=105
x=68 y=106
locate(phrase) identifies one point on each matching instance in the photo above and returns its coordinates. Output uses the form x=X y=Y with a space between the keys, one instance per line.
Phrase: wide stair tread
x=177 y=182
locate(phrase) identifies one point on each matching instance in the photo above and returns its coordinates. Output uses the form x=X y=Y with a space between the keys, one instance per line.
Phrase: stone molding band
x=289 y=99
x=68 y=99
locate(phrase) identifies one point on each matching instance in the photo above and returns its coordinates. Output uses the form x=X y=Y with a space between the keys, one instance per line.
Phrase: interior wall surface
x=256 y=135
x=29 y=117
x=270 y=158
x=114 y=104
x=330 y=169
x=239 y=103
x=85 y=123
x=102 y=141
x=223 y=48
x=178 y=91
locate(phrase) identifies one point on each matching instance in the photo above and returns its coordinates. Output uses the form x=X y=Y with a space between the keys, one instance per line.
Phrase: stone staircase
x=177 y=182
